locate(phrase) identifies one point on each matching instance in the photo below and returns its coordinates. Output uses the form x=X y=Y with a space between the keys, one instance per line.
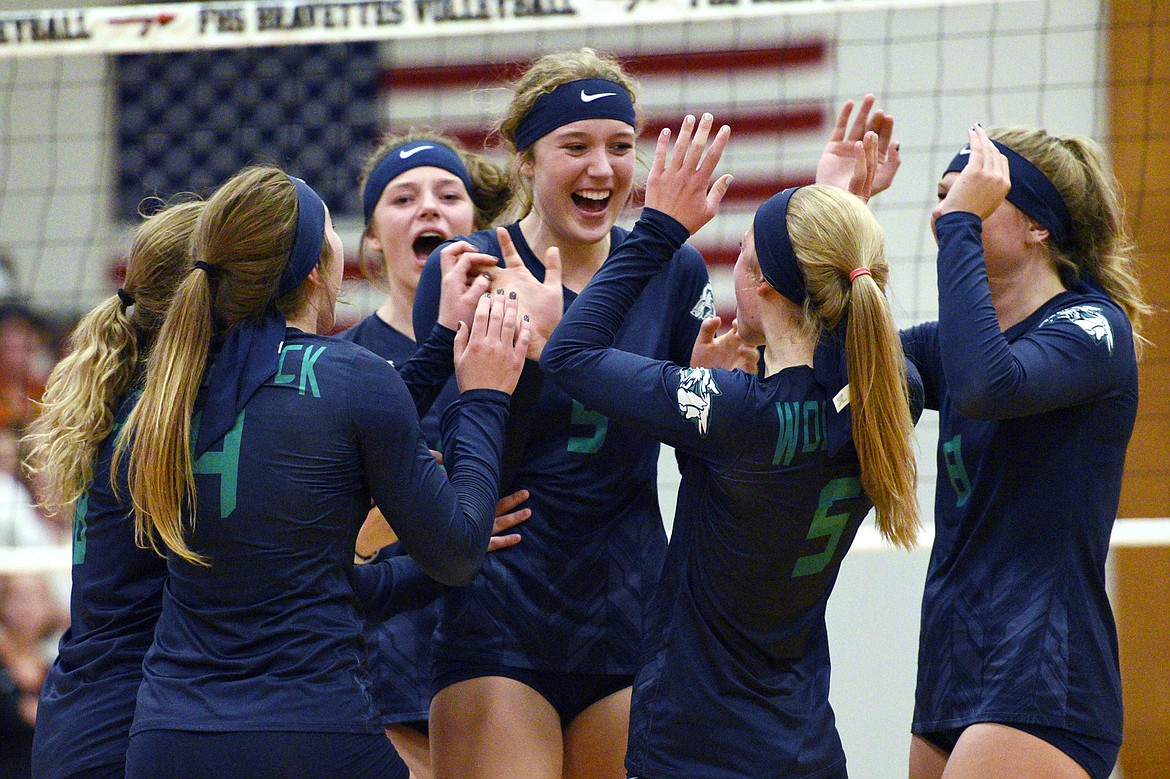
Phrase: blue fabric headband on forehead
x=781 y=269
x=248 y=356
x=1031 y=191
x=587 y=98
x=774 y=250
x=310 y=237
x=416 y=154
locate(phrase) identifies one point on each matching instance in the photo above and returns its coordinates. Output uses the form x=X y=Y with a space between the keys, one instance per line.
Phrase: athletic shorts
x=187 y=754
x=1096 y=755
x=569 y=693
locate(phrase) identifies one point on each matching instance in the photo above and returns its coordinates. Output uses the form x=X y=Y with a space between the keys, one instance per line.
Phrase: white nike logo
x=964 y=151
x=590 y=98
x=407 y=152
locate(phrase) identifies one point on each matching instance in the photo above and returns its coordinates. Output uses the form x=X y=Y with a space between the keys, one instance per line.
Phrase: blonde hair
x=545 y=75
x=105 y=351
x=832 y=234
x=492 y=185
x=245 y=235
x=1099 y=244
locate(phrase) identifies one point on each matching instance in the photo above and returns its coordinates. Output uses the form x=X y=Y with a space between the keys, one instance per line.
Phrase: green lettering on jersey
x=789 y=414
x=307 y=374
x=826 y=524
x=80 y=513
x=225 y=463
x=956 y=471
x=590 y=443
x=814 y=425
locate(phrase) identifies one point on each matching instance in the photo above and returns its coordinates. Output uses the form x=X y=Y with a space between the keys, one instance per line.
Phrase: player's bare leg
x=492 y=727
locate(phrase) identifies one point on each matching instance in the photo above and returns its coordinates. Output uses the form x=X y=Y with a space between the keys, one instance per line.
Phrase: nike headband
x=588 y=98
x=774 y=250
x=1031 y=191
x=416 y=154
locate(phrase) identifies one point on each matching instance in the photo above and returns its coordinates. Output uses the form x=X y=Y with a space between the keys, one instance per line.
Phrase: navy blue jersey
x=269 y=636
x=1034 y=424
x=397 y=348
x=399 y=648
x=87 y=702
x=571 y=596
x=736 y=675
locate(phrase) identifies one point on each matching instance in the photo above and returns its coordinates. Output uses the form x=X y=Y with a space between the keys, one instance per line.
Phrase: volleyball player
x=534 y=660
x=1032 y=365
x=257 y=477
x=87 y=702
x=782 y=467
x=418 y=190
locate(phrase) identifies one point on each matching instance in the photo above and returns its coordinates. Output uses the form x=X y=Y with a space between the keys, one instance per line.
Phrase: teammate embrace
x=548 y=358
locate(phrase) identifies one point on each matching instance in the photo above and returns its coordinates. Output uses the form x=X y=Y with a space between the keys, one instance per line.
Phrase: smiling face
x=581 y=176
x=417 y=211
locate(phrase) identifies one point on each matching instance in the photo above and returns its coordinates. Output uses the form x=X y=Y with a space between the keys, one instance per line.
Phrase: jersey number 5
x=826 y=524
x=588 y=444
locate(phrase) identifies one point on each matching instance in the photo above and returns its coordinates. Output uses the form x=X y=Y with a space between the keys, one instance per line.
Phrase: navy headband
x=416 y=154
x=248 y=355
x=588 y=98
x=774 y=249
x=1031 y=191
x=310 y=237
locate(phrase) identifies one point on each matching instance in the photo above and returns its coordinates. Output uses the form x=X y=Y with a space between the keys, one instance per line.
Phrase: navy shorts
x=187 y=754
x=569 y=693
x=1097 y=756
x=108 y=771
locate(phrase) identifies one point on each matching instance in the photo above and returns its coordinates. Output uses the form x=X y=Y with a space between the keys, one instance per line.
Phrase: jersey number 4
x=225 y=463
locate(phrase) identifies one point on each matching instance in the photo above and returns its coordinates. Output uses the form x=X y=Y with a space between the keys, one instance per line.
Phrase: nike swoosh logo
x=590 y=98
x=964 y=151
x=405 y=153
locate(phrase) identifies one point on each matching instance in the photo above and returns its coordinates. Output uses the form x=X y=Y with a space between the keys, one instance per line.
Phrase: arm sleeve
x=430 y=368
x=673 y=404
x=696 y=292
x=920 y=344
x=426 y=296
x=393 y=585
x=1051 y=366
x=444 y=525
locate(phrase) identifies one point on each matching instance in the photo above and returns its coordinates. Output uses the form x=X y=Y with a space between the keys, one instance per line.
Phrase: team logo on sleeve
x=695 y=388
x=705 y=305
x=1089 y=318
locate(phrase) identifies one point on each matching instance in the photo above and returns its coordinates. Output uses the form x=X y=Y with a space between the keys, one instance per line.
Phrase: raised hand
x=542 y=301
x=681 y=186
x=846 y=148
x=489 y=354
x=981 y=186
x=724 y=351
x=464 y=281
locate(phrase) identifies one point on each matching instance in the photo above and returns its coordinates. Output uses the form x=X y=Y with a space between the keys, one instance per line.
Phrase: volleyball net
x=102 y=108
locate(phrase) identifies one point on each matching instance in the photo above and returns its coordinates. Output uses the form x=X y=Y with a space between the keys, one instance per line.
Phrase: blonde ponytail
x=833 y=234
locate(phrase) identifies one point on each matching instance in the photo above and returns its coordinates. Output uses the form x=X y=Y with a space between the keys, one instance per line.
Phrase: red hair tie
x=862 y=271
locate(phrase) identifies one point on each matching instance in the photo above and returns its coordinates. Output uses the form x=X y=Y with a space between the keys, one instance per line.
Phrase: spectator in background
x=26 y=357
x=29 y=620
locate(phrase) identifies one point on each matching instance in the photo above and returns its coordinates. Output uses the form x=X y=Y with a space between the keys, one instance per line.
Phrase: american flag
x=186 y=121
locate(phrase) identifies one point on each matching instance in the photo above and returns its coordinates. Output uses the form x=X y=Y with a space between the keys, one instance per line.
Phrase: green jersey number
x=225 y=463
x=588 y=444
x=826 y=524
